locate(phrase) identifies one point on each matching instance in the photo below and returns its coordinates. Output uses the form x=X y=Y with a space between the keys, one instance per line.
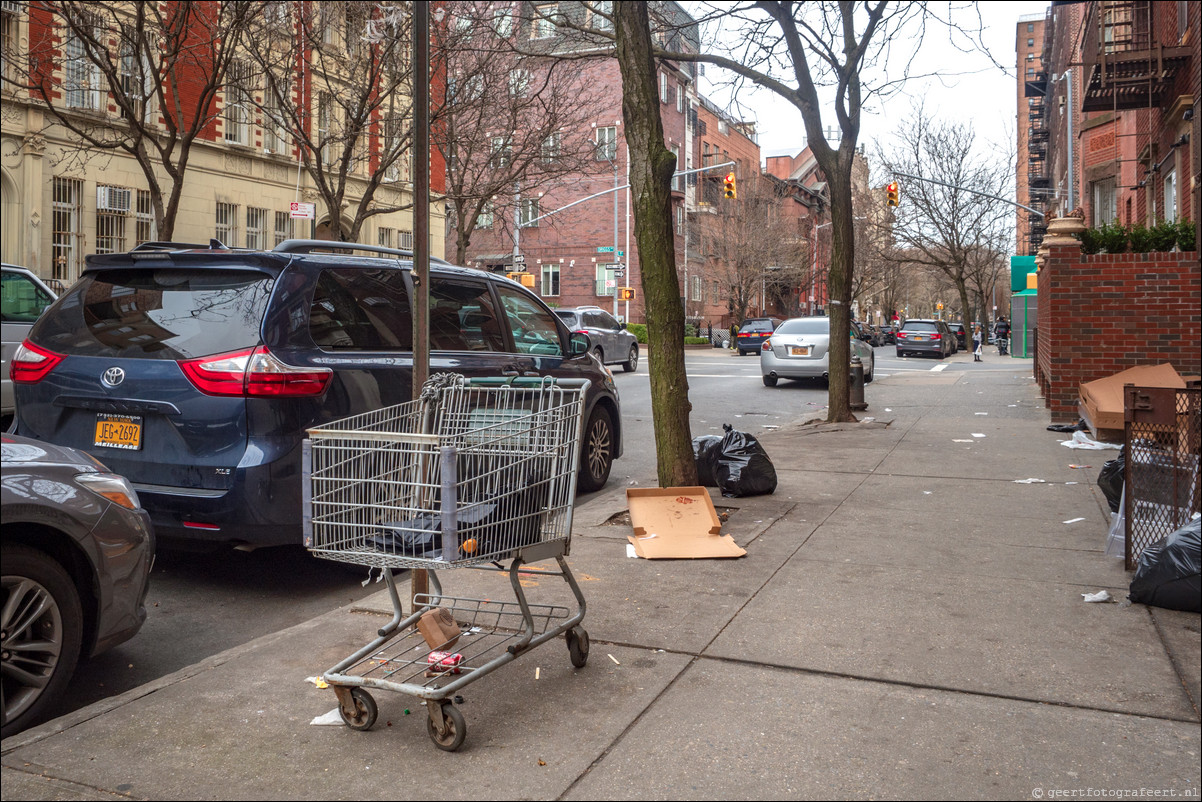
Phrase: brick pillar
x=1063 y=256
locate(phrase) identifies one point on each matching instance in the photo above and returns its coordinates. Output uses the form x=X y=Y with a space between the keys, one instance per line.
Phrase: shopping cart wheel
x=454 y=729
x=578 y=646
x=365 y=710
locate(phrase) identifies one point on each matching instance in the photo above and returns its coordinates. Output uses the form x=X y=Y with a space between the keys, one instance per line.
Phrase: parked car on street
x=195 y=371
x=800 y=349
x=77 y=551
x=888 y=334
x=753 y=332
x=925 y=336
x=609 y=340
x=23 y=296
x=957 y=329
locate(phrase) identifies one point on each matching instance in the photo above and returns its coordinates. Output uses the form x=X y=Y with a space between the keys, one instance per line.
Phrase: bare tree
x=510 y=124
x=801 y=51
x=140 y=78
x=334 y=80
x=944 y=226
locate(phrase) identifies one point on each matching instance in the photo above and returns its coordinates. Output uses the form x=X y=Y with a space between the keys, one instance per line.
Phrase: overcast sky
x=985 y=95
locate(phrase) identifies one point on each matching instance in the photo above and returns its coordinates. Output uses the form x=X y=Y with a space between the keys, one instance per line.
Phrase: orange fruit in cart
x=468 y=546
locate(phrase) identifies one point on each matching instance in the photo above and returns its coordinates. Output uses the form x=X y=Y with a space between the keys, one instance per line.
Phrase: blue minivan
x=194 y=371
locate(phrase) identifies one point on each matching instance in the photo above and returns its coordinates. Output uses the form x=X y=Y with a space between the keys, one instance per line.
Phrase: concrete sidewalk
x=907 y=623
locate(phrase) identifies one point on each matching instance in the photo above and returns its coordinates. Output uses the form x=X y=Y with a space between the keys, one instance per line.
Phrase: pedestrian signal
x=729 y=189
x=892 y=192
x=523 y=278
x=625 y=293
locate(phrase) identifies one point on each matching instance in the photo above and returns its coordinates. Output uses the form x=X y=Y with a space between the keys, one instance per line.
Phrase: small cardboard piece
x=1100 y=402
x=677 y=523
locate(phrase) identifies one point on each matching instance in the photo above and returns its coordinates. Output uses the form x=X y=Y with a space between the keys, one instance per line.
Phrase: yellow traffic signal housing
x=892 y=193
x=729 y=190
x=523 y=278
x=625 y=293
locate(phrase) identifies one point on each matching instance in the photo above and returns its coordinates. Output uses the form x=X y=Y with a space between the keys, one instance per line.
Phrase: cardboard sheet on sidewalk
x=1101 y=400
x=672 y=523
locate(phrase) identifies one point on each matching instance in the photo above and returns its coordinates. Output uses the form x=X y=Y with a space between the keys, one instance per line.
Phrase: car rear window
x=810 y=326
x=919 y=325
x=757 y=326
x=162 y=313
x=22 y=299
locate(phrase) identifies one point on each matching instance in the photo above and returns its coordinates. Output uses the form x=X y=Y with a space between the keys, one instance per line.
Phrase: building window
x=1030 y=57
x=404 y=240
x=1030 y=43
x=605 y=280
x=600 y=16
x=696 y=281
x=273 y=123
x=663 y=88
x=283 y=227
x=552 y=148
x=81 y=80
x=1104 y=210
x=256 y=225
x=550 y=286
x=227 y=223
x=528 y=212
x=10 y=22
x=519 y=82
x=144 y=225
x=325 y=125
x=1030 y=27
x=544 y=21
x=676 y=184
x=384 y=237
x=237 y=103
x=113 y=205
x=484 y=220
x=607 y=143
x=680 y=98
x=502 y=22
x=1170 y=196
x=502 y=152
x=64 y=237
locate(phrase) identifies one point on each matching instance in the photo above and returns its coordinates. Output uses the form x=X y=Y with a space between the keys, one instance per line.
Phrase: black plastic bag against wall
x=707 y=450
x=744 y=468
x=1168 y=574
x=1111 y=479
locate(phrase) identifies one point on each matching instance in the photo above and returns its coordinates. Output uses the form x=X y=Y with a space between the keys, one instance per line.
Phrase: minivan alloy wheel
x=598 y=455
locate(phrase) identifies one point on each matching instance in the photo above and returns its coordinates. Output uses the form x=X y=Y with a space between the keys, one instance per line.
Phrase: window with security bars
x=110 y=226
x=550 y=286
x=256 y=223
x=283 y=227
x=227 y=223
x=384 y=237
x=144 y=226
x=65 y=230
x=405 y=240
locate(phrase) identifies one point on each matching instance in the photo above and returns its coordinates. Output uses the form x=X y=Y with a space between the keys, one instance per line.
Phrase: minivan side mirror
x=578 y=344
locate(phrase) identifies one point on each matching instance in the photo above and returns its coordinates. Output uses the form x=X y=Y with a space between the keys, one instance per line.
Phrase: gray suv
x=608 y=339
x=926 y=336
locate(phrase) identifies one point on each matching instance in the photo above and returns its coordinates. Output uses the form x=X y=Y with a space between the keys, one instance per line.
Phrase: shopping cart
x=474 y=473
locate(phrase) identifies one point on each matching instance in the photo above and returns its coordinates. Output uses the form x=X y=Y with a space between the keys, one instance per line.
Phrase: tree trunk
x=651 y=168
x=843 y=240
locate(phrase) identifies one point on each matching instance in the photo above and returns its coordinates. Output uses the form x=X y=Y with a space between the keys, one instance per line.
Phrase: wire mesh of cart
x=473 y=473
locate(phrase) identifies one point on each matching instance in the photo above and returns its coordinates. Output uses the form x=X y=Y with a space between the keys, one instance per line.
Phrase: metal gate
x=1162 y=427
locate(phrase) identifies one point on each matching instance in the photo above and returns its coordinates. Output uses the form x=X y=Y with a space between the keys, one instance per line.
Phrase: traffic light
x=523 y=278
x=729 y=189
x=892 y=191
x=625 y=293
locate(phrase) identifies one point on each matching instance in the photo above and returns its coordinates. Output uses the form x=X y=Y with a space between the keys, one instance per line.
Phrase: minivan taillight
x=31 y=364
x=253 y=372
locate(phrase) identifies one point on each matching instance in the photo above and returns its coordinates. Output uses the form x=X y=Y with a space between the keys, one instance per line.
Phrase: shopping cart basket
x=474 y=473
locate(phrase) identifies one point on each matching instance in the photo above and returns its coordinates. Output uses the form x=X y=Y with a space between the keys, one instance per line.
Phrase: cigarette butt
x=616 y=663
x=536 y=670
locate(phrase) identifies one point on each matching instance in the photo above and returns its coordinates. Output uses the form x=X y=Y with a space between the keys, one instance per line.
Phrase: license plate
x=919 y=337
x=118 y=431
x=799 y=350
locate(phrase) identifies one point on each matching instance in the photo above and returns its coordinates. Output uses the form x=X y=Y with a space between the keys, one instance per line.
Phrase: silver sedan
x=800 y=349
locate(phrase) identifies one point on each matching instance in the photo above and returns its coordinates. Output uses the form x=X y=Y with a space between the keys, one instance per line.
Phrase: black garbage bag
x=744 y=468
x=1079 y=426
x=1168 y=571
x=707 y=449
x=1111 y=479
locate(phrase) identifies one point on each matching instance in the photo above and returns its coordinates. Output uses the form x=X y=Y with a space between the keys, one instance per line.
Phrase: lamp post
x=814 y=266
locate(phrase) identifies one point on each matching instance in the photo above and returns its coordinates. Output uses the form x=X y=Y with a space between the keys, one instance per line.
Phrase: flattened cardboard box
x=677 y=523
x=1101 y=400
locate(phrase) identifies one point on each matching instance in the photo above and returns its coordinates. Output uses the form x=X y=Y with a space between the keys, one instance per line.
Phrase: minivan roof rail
x=310 y=245
x=213 y=245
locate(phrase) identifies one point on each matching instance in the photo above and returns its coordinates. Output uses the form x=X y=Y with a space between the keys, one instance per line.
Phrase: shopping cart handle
x=528 y=381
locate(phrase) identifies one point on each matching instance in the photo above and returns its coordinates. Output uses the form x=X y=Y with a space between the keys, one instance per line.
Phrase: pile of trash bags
x=735 y=463
x=1169 y=573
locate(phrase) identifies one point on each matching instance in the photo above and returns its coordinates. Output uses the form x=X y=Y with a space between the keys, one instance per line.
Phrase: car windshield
x=158 y=314
x=920 y=325
x=819 y=325
x=757 y=326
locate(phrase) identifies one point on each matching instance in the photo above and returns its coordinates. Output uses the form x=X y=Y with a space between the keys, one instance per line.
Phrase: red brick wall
x=1102 y=314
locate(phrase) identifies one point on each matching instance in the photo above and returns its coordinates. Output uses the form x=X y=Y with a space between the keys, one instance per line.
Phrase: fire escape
x=1127 y=67
x=1038 y=178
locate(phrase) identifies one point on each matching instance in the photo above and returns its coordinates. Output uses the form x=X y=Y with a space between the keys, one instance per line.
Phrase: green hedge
x=1117 y=238
x=696 y=341
x=638 y=330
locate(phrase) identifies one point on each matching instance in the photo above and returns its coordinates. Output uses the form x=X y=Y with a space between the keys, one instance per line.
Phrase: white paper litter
x=630 y=552
x=333 y=718
x=1074 y=520
x=962 y=441
x=1083 y=440
x=1031 y=481
x=887 y=409
x=977 y=434
x=1100 y=596
x=980 y=413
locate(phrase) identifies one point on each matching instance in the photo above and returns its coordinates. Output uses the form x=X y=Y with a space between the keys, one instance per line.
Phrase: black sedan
x=77 y=550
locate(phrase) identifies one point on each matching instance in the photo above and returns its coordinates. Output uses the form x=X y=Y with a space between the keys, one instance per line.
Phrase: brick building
x=1031 y=182
x=63 y=199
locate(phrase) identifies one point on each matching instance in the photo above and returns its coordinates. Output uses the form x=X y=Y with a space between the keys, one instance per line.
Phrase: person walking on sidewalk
x=977 y=338
x=1001 y=333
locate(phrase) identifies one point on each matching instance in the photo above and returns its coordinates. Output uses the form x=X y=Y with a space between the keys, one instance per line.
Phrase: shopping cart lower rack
x=474 y=473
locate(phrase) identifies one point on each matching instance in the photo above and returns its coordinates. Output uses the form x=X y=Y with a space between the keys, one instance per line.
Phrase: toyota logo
x=113 y=376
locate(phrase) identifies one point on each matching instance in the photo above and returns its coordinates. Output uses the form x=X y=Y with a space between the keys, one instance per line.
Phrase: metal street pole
x=419 y=583
x=615 y=272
